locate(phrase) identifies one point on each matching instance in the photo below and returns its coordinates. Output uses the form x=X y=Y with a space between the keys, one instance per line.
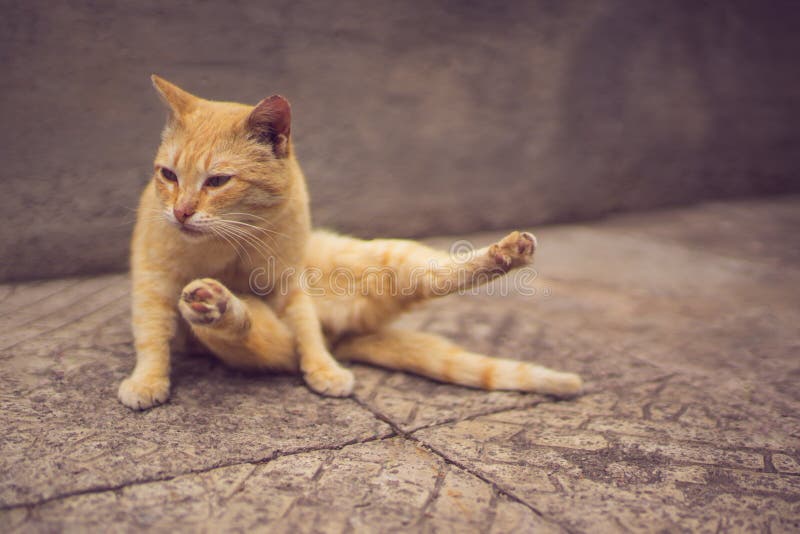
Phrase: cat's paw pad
x=331 y=381
x=513 y=250
x=204 y=301
x=140 y=394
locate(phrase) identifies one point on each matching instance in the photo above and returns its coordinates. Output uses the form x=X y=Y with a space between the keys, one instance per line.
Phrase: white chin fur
x=193 y=235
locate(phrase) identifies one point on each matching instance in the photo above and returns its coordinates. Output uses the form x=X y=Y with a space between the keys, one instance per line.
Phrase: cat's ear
x=179 y=101
x=271 y=122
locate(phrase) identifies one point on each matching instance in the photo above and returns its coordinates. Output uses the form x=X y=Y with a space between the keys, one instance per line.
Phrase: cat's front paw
x=514 y=250
x=204 y=301
x=331 y=381
x=139 y=394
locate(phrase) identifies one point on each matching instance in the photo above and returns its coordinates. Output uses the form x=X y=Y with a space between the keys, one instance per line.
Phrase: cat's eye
x=169 y=175
x=216 y=181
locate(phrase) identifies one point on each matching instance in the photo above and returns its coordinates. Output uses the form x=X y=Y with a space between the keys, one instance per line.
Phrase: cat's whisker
x=153 y=211
x=253 y=215
x=245 y=224
x=132 y=209
x=219 y=234
x=247 y=238
x=266 y=221
x=248 y=215
x=255 y=242
x=266 y=232
x=152 y=218
x=235 y=239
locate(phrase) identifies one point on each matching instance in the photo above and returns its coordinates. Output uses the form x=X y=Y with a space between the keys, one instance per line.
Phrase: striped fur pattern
x=222 y=251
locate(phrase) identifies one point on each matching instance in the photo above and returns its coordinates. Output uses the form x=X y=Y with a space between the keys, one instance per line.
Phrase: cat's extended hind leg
x=438 y=358
x=366 y=284
x=243 y=331
x=474 y=269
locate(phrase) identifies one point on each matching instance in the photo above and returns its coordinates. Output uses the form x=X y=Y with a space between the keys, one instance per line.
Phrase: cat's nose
x=182 y=212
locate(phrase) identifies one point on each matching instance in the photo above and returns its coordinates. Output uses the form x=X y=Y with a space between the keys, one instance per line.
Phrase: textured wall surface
x=411 y=118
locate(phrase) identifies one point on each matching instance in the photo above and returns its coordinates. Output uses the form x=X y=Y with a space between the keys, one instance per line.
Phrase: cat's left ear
x=271 y=122
x=180 y=102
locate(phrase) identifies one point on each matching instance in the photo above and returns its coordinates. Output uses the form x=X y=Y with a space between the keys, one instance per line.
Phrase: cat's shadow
x=200 y=366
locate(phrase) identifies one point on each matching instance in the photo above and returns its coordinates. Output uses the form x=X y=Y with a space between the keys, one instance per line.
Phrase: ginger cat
x=222 y=240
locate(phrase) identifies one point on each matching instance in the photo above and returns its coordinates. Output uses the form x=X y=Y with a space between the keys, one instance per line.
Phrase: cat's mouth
x=189 y=231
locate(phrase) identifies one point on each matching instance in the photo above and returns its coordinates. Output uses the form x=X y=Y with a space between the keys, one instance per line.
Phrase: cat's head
x=221 y=161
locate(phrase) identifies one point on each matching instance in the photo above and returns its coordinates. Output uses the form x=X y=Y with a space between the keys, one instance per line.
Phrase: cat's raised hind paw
x=204 y=301
x=139 y=394
x=514 y=250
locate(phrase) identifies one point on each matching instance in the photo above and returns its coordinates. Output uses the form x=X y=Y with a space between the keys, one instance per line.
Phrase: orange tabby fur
x=198 y=243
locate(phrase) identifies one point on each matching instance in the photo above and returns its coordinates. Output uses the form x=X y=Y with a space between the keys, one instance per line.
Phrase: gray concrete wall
x=411 y=118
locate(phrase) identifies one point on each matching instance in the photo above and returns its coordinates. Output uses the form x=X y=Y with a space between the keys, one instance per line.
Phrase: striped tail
x=438 y=358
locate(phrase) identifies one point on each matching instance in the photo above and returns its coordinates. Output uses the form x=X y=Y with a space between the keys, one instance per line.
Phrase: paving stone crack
x=434 y=495
x=495 y=486
x=258 y=461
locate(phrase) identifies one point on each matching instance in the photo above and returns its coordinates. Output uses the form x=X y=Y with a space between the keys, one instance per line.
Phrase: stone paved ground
x=685 y=324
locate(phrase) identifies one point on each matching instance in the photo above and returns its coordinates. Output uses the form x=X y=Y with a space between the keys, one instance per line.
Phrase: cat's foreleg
x=242 y=331
x=321 y=372
x=154 y=318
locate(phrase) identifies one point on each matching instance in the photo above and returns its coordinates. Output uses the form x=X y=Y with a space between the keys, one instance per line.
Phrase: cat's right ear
x=179 y=101
x=271 y=121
